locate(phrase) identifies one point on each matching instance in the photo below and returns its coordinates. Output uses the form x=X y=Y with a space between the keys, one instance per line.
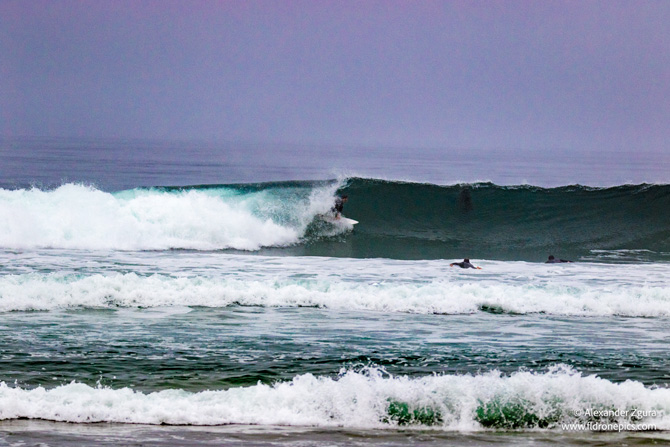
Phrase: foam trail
x=36 y=291
x=361 y=399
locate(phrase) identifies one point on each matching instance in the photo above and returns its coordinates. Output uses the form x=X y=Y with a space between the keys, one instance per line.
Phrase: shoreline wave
x=367 y=398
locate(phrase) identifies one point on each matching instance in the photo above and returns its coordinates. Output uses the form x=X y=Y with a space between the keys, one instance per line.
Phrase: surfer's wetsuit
x=339 y=206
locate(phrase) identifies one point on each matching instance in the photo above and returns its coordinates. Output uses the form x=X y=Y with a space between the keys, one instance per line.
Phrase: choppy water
x=230 y=312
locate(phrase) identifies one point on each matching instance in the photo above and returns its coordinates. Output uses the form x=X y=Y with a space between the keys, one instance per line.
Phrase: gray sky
x=585 y=75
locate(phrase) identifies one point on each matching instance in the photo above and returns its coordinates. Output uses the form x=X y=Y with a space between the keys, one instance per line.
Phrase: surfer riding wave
x=339 y=206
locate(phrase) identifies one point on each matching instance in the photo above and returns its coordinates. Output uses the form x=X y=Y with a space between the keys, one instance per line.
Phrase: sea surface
x=189 y=293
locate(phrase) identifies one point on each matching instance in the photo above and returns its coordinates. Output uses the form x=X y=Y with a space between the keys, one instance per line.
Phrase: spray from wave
x=81 y=217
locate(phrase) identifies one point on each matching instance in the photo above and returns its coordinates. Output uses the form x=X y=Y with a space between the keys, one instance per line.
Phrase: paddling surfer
x=465 y=264
x=553 y=260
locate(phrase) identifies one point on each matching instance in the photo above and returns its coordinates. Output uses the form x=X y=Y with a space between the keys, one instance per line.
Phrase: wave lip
x=367 y=398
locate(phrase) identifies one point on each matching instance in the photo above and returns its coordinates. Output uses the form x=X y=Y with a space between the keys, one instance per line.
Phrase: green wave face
x=485 y=221
x=398 y=220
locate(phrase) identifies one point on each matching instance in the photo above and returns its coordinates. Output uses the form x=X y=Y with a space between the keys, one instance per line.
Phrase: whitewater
x=61 y=279
x=367 y=399
x=78 y=216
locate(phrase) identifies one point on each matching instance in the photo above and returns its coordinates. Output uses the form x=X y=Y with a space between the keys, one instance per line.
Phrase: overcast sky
x=585 y=75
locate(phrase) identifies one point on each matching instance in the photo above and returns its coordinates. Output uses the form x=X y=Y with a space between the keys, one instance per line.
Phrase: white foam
x=356 y=399
x=76 y=216
x=275 y=285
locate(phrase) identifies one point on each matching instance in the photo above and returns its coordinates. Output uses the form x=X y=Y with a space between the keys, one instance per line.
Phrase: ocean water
x=172 y=293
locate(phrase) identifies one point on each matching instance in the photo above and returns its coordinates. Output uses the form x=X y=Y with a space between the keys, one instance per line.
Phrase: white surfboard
x=343 y=221
x=346 y=221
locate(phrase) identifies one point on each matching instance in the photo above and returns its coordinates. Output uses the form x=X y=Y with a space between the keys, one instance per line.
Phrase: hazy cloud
x=556 y=74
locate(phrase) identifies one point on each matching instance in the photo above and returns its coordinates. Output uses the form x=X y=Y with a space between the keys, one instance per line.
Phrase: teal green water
x=202 y=348
x=486 y=221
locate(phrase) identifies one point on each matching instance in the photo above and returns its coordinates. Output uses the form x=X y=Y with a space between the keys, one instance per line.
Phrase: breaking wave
x=364 y=398
x=397 y=220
